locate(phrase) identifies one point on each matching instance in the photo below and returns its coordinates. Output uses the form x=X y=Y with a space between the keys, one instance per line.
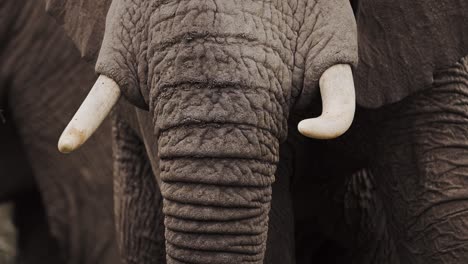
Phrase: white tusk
x=97 y=105
x=339 y=104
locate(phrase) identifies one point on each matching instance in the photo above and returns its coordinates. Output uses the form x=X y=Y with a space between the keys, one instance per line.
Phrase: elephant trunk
x=216 y=181
x=216 y=205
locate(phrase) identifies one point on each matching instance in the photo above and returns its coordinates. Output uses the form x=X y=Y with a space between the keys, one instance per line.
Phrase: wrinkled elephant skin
x=219 y=80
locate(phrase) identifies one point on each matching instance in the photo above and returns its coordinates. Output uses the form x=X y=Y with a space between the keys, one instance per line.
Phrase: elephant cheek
x=216 y=185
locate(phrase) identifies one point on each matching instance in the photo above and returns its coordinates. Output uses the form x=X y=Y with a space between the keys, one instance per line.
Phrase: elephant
x=63 y=206
x=408 y=140
x=205 y=92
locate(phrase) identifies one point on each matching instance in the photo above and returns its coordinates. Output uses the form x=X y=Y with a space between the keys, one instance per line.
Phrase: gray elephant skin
x=211 y=85
x=64 y=207
x=409 y=135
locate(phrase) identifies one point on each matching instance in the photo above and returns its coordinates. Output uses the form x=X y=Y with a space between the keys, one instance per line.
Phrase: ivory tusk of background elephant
x=101 y=99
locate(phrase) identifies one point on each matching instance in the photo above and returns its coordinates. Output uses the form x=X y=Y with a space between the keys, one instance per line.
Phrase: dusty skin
x=210 y=102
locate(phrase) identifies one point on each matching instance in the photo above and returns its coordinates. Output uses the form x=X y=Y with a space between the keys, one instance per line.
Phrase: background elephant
x=214 y=82
x=410 y=132
x=63 y=204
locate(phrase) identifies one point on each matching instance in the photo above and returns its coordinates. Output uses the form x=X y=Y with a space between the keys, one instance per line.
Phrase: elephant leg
x=138 y=201
x=421 y=164
x=365 y=216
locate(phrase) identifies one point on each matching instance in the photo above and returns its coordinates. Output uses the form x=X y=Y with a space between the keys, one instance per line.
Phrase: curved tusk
x=339 y=104
x=97 y=105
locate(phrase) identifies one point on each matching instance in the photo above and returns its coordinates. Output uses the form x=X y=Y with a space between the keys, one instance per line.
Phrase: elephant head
x=218 y=79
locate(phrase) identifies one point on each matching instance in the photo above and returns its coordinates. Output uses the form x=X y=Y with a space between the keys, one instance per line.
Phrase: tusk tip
x=66 y=145
x=69 y=143
x=313 y=128
x=302 y=127
x=306 y=130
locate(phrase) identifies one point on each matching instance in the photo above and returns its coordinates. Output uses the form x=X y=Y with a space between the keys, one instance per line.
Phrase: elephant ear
x=403 y=44
x=84 y=22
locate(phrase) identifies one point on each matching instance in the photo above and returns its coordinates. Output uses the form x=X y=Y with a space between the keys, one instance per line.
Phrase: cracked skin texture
x=409 y=203
x=403 y=43
x=432 y=227
x=219 y=79
x=149 y=72
x=442 y=52
x=280 y=45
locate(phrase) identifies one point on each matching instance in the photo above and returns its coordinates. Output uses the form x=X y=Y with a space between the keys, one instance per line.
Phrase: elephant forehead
x=233 y=80
x=259 y=43
x=271 y=22
x=236 y=63
x=236 y=41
